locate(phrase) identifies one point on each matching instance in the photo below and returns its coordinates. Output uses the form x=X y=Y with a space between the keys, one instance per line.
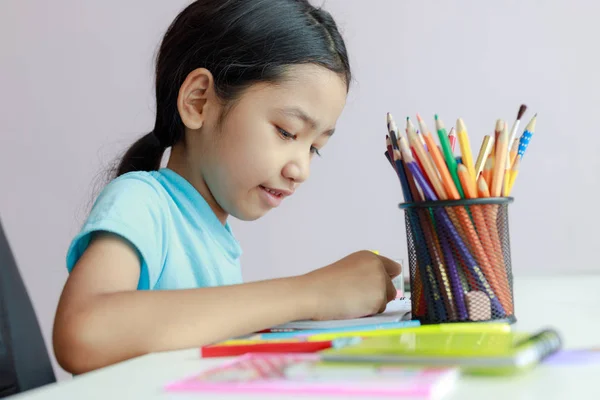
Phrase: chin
x=249 y=215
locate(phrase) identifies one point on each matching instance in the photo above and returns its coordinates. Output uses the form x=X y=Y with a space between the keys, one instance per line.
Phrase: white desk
x=570 y=304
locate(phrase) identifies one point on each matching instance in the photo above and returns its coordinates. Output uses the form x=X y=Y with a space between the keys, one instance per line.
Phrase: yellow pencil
x=513 y=152
x=513 y=174
x=465 y=148
x=484 y=152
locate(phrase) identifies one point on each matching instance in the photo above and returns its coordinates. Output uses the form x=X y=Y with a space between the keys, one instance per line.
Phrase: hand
x=353 y=287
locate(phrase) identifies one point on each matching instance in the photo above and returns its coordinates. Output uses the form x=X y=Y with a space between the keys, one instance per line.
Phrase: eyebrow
x=300 y=114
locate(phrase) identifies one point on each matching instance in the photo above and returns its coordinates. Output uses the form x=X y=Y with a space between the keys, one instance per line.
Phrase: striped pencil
x=511 y=138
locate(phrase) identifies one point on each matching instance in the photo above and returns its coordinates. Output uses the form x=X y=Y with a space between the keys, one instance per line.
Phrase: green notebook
x=476 y=353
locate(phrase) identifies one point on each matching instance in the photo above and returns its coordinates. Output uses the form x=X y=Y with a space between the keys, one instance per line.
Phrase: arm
x=102 y=319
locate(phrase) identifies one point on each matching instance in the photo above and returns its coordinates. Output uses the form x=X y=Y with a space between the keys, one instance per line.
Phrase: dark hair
x=241 y=42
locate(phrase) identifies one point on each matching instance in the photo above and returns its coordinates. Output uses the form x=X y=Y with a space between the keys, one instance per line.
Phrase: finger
x=390 y=294
x=392 y=268
x=391 y=291
x=382 y=307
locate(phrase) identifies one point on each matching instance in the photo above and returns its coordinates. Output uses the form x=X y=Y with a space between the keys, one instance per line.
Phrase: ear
x=194 y=98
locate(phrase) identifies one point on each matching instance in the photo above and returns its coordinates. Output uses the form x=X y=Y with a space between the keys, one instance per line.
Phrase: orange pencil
x=488 y=170
x=466 y=182
x=497 y=133
x=491 y=215
x=482 y=187
x=428 y=166
x=493 y=266
x=442 y=168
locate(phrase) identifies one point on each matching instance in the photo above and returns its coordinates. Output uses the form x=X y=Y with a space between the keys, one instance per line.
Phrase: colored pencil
x=393 y=130
x=465 y=147
x=511 y=138
x=513 y=174
x=448 y=153
x=513 y=131
x=491 y=264
x=441 y=166
x=452 y=139
x=513 y=152
x=526 y=136
x=488 y=171
x=428 y=166
x=486 y=148
x=482 y=187
x=499 y=170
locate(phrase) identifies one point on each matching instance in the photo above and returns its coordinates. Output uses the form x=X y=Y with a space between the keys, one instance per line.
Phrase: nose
x=297 y=170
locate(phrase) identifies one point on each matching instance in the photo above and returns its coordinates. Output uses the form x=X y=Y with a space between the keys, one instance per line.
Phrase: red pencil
x=283 y=347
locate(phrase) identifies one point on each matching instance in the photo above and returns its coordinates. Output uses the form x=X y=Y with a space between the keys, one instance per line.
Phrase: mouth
x=277 y=192
x=274 y=197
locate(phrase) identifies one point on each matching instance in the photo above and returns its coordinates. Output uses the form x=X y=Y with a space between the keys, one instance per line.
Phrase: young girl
x=247 y=94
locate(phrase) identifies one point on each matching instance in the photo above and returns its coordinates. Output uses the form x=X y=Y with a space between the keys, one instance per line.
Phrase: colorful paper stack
x=457 y=218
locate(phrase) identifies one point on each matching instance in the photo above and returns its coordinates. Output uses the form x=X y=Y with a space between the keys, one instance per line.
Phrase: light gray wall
x=76 y=88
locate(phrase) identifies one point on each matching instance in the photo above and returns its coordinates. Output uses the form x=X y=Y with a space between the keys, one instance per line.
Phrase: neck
x=180 y=163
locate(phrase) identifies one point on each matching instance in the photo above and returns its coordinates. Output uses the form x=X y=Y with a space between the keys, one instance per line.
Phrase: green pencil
x=448 y=155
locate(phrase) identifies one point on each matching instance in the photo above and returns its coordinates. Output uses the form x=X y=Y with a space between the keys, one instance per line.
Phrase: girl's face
x=262 y=150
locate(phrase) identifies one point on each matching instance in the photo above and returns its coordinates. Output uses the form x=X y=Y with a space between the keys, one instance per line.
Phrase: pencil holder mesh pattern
x=459 y=260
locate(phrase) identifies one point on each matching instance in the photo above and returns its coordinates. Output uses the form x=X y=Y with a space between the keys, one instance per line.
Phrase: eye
x=314 y=150
x=285 y=134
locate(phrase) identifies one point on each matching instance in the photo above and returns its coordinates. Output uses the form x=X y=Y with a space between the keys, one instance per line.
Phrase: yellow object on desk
x=463 y=327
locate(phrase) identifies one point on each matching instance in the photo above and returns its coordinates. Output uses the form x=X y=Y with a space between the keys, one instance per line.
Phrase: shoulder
x=133 y=206
x=134 y=188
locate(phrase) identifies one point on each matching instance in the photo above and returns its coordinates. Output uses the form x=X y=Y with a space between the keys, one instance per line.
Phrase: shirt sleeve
x=133 y=209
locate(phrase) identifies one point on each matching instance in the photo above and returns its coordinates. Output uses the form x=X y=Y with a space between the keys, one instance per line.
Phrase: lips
x=273 y=191
x=272 y=196
x=278 y=192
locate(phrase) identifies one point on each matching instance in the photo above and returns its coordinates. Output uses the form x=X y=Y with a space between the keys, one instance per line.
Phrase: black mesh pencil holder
x=459 y=260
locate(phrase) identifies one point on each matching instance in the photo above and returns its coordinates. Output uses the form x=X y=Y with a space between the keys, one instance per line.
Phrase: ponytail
x=144 y=155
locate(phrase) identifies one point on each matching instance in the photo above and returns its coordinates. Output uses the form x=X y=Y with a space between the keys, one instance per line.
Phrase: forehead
x=315 y=90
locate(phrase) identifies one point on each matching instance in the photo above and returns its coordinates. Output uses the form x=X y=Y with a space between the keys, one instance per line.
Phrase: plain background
x=76 y=89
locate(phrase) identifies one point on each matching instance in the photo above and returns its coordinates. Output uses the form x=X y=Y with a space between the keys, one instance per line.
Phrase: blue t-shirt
x=179 y=239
